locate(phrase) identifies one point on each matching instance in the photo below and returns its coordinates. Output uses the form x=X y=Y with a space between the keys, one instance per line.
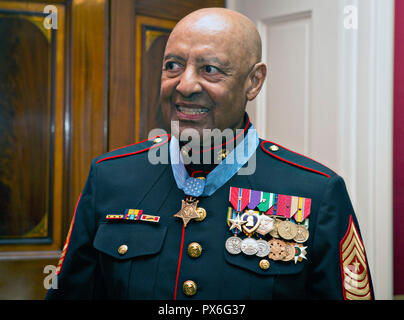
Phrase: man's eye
x=172 y=66
x=211 y=69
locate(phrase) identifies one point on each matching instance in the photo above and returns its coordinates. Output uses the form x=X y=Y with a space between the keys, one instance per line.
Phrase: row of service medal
x=280 y=247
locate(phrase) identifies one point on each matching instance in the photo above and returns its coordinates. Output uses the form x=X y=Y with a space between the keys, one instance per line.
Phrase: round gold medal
x=290 y=251
x=287 y=230
x=274 y=231
x=302 y=234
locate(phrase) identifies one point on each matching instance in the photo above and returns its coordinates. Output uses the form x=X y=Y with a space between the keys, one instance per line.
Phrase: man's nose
x=189 y=83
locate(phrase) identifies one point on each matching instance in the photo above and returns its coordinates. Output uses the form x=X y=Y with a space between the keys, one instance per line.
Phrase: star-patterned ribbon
x=194 y=187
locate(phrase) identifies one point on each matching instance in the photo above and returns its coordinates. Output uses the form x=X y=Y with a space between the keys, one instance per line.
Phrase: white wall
x=340 y=89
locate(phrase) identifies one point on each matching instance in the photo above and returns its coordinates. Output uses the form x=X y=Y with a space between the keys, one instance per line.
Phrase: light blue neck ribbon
x=218 y=176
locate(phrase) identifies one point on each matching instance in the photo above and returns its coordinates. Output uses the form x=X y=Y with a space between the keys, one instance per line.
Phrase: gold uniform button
x=222 y=154
x=122 y=249
x=194 y=250
x=189 y=288
x=185 y=151
x=264 y=264
x=274 y=148
x=157 y=140
x=201 y=214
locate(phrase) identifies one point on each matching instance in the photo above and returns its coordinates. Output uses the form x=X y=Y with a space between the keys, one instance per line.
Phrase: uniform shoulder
x=293 y=158
x=133 y=149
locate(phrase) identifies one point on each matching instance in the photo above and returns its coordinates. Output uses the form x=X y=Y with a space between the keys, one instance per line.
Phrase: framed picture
x=151 y=37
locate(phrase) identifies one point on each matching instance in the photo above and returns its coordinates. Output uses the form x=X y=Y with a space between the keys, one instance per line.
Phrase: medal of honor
x=188 y=211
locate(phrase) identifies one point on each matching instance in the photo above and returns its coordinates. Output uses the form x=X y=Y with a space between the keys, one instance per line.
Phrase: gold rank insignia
x=354 y=270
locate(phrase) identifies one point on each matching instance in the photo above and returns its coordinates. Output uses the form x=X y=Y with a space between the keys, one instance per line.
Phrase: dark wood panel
x=122 y=74
x=36 y=84
x=89 y=85
x=173 y=9
x=25 y=119
x=32 y=103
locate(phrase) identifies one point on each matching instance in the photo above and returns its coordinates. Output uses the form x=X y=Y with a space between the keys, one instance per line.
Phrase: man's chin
x=183 y=130
x=189 y=134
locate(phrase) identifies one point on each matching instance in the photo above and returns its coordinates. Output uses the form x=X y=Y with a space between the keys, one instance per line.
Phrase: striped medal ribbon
x=239 y=198
x=303 y=209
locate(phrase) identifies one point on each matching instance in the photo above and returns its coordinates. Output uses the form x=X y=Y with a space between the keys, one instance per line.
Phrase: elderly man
x=227 y=216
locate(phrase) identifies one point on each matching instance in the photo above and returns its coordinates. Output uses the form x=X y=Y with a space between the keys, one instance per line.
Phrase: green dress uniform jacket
x=123 y=259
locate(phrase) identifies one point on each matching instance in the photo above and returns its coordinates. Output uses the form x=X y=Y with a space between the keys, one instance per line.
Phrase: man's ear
x=256 y=79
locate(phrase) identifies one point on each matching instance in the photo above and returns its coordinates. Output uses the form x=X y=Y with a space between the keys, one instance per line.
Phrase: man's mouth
x=191 y=110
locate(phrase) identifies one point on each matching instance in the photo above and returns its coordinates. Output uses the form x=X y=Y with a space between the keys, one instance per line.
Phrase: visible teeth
x=186 y=110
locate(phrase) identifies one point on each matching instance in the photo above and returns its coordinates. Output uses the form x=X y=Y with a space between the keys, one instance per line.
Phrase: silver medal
x=233 y=245
x=263 y=248
x=249 y=246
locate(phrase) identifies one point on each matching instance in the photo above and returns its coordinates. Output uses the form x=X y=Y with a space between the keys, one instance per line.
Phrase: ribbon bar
x=133 y=214
x=271 y=203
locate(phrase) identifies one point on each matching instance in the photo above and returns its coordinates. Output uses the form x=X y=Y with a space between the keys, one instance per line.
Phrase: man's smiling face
x=205 y=74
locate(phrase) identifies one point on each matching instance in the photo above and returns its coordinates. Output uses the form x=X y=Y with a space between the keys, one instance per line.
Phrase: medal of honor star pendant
x=188 y=211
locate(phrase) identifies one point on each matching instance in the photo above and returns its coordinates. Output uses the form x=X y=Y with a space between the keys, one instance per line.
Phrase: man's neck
x=203 y=159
